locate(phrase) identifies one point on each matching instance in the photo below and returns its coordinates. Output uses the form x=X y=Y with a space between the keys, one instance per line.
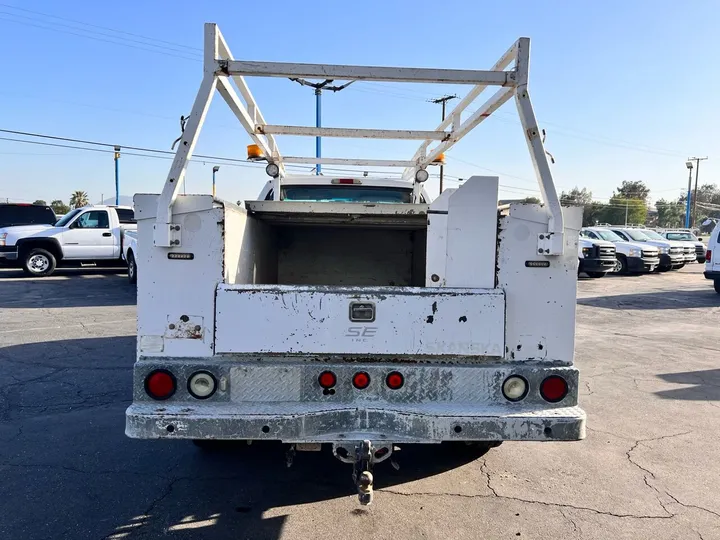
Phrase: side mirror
x=73 y=225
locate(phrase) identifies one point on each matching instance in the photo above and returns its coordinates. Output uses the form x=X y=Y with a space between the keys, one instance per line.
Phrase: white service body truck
x=361 y=324
x=712 y=259
x=87 y=236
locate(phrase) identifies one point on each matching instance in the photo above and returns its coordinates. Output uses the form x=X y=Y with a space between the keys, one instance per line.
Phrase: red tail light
x=327 y=379
x=708 y=255
x=553 y=389
x=361 y=380
x=160 y=384
x=394 y=380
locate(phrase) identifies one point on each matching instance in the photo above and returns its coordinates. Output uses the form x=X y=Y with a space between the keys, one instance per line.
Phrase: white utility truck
x=89 y=236
x=129 y=251
x=361 y=320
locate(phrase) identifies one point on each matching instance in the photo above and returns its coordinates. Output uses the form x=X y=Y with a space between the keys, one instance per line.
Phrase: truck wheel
x=39 y=263
x=623 y=264
x=716 y=284
x=664 y=268
x=595 y=274
x=132 y=268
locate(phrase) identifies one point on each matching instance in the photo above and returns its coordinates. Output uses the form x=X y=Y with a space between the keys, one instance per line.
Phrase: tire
x=716 y=285
x=664 y=268
x=132 y=268
x=39 y=262
x=596 y=274
x=623 y=265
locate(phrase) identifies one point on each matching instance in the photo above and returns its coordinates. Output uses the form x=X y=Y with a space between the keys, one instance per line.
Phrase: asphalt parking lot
x=649 y=355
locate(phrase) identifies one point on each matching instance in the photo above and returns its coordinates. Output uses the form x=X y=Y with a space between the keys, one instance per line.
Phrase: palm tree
x=79 y=199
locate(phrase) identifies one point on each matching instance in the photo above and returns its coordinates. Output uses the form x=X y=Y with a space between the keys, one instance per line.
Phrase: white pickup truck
x=88 y=236
x=349 y=310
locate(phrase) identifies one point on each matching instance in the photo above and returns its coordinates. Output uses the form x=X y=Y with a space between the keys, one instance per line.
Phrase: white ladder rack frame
x=219 y=67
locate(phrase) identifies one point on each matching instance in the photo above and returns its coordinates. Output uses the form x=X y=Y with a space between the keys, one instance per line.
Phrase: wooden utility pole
x=442 y=100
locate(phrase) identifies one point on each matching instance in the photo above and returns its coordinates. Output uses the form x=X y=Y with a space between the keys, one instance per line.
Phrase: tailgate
x=285 y=319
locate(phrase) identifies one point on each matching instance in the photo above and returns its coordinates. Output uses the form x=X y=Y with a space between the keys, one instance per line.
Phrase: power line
x=98 y=26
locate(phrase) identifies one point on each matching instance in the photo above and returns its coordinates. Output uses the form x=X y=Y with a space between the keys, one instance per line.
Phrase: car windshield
x=681 y=236
x=653 y=235
x=608 y=235
x=353 y=194
x=637 y=235
x=68 y=217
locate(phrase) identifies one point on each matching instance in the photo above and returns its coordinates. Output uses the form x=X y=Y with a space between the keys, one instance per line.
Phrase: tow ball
x=363 y=455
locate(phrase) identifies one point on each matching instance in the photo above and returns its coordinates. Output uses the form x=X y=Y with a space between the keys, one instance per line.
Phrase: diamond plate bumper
x=282 y=400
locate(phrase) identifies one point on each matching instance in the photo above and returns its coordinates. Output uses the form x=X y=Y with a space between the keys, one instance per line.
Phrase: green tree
x=576 y=196
x=79 y=199
x=670 y=213
x=633 y=189
x=40 y=201
x=621 y=210
x=533 y=200
x=59 y=207
x=594 y=213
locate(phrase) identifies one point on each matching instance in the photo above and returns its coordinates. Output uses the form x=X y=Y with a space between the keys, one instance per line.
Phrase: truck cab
x=85 y=236
x=631 y=257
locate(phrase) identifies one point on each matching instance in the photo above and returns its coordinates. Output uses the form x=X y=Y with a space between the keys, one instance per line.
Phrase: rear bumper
x=294 y=423
x=711 y=275
x=282 y=400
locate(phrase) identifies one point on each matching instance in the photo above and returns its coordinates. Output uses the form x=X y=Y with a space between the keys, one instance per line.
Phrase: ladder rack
x=220 y=68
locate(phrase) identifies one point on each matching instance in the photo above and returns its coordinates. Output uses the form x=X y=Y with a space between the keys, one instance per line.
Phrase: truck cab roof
x=362 y=189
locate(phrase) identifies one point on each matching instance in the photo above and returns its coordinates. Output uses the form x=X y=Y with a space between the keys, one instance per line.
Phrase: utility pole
x=697 y=161
x=442 y=100
x=216 y=168
x=319 y=87
x=627 y=203
x=117 y=176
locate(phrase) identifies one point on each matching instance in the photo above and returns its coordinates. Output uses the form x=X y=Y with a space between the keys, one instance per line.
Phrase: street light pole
x=689 y=165
x=215 y=169
x=117 y=176
x=319 y=86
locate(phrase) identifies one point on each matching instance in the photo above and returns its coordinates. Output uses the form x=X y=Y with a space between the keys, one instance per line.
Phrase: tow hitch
x=362 y=455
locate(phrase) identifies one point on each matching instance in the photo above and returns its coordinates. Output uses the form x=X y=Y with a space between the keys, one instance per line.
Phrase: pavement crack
x=571 y=520
x=528 y=501
x=484 y=469
x=685 y=505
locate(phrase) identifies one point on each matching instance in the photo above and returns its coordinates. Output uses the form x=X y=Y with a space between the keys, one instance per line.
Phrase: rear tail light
x=553 y=389
x=708 y=255
x=202 y=385
x=394 y=380
x=361 y=380
x=160 y=384
x=327 y=379
x=515 y=388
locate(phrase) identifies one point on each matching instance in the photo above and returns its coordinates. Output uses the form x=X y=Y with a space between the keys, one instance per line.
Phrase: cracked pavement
x=650 y=384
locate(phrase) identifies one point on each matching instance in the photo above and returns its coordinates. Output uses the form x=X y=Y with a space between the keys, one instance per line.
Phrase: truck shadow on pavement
x=677 y=299
x=698 y=385
x=63 y=447
x=66 y=290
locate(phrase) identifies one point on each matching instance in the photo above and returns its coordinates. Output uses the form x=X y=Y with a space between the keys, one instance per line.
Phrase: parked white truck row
x=634 y=250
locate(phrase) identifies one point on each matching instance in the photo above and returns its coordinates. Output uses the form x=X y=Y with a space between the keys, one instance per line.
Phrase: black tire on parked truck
x=623 y=264
x=132 y=268
x=596 y=274
x=38 y=262
x=716 y=285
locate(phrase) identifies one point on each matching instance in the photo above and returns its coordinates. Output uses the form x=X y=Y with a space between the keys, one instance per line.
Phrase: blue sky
x=625 y=90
